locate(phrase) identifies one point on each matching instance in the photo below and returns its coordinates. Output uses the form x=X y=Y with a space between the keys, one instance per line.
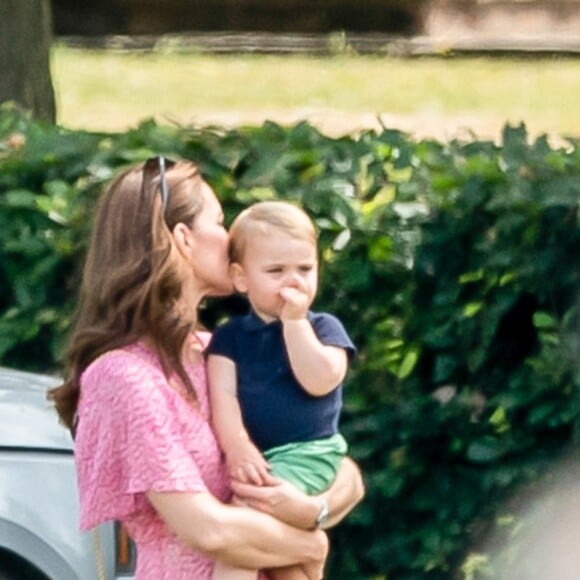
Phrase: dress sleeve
x=222 y=342
x=331 y=331
x=129 y=438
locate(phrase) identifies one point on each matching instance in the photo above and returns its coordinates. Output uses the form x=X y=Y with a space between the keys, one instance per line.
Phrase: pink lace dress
x=137 y=433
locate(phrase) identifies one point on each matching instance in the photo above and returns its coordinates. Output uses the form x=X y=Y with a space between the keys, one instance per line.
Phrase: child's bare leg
x=288 y=573
x=223 y=571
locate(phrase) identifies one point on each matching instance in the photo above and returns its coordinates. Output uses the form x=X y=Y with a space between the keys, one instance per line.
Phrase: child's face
x=272 y=262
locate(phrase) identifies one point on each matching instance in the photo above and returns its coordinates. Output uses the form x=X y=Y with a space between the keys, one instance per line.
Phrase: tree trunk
x=25 y=39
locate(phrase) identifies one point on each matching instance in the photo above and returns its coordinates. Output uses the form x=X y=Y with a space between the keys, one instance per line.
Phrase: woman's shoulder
x=125 y=355
x=129 y=364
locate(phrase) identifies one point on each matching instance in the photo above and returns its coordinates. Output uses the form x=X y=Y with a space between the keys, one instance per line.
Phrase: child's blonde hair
x=262 y=218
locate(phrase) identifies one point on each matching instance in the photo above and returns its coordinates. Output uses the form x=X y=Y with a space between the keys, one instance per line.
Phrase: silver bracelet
x=323 y=514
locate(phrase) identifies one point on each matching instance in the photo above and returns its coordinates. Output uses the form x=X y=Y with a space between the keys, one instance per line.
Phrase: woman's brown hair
x=133 y=275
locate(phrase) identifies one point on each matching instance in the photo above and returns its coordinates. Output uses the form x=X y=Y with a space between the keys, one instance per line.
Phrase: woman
x=135 y=393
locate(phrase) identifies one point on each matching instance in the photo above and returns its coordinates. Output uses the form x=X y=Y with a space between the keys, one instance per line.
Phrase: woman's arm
x=286 y=503
x=237 y=535
x=345 y=494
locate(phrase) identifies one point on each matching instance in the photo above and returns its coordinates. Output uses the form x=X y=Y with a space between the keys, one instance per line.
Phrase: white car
x=39 y=530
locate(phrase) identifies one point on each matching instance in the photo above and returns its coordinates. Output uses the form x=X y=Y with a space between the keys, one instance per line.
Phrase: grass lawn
x=442 y=97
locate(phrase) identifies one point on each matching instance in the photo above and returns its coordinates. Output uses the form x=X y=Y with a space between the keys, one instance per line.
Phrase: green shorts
x=310 y=465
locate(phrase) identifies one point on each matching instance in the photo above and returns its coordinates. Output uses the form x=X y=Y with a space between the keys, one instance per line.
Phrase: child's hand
x=297 y=300
x=247 y=464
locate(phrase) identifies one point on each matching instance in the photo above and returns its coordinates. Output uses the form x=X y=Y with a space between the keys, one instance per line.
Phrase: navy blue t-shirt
x=275 y=408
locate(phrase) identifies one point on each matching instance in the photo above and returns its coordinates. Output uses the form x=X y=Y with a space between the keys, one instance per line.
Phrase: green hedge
x=455 y=266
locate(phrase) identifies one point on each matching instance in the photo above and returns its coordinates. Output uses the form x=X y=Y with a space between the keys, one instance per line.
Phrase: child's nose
x=294 y=280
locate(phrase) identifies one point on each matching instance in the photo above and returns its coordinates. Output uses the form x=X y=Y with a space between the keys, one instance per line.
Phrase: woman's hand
x=288 y=504
x=281 y=500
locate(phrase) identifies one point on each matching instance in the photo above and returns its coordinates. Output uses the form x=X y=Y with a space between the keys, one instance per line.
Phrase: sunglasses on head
x=156 y=166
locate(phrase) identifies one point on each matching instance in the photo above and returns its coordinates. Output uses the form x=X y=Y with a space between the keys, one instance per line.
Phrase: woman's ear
x=238 y=277
x=184 y=241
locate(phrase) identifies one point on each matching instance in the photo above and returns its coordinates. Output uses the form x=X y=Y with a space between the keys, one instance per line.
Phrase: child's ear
x=238 y=277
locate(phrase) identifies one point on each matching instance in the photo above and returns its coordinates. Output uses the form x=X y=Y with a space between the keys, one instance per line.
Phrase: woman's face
x=210 y=261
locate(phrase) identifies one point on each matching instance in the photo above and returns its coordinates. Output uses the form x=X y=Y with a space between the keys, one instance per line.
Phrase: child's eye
x=274 y=270
x=306 y=268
